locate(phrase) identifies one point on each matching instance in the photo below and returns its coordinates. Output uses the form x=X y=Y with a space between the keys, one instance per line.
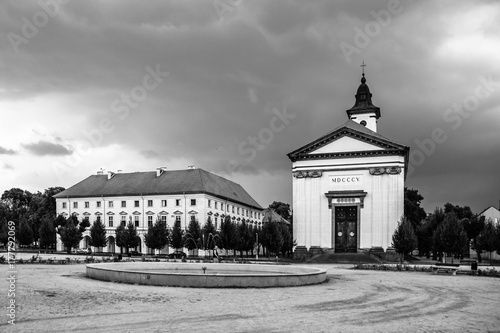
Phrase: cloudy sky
x=232 y=86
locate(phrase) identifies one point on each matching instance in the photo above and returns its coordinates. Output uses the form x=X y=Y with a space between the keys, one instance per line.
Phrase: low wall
x=215 y=276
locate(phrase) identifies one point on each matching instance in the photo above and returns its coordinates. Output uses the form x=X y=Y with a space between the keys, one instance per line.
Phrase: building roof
x=270 y=215
x=169 y=182
x=487 y=209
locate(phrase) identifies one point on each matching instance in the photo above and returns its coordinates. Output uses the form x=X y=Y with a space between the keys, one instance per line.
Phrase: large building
x=348 y=185
x=144 y=197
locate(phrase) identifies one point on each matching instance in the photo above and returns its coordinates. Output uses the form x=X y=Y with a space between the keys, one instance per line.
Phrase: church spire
x=363 y=111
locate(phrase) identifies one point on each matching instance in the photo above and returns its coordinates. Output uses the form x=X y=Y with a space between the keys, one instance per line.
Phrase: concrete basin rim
x=312 y=270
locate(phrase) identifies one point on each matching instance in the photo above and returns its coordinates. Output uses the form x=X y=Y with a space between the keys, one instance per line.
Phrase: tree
x=460 y=212
x=283 y=209
x=176 y=239
x=25 y=233
x=413 y=212
x=4 y=232
x=192 y=238
x=272 y=238
x=17 y=202
x=131 y=237
x=450 y=236
x=288 y=240
x=243 y=241
x=47 y=233
x=486 y=240
x=120 y=237
x=209 y=234
x=404 y=239
x=98 y=234
x=473 y=227
x=70 y=235
x=227 y=234
x=157 y=235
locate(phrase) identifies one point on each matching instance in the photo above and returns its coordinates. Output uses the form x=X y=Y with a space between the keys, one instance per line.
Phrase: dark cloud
x=42 y=148
x=6 y=151
x=226 y=78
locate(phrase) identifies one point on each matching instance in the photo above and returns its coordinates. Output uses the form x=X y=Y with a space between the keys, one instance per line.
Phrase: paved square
x=59 y=298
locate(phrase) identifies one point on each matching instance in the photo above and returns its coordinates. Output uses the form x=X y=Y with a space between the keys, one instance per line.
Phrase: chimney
x=191 y=167
x=100 y=172
x=160 y=170
x=118 y=171
x=110 y=174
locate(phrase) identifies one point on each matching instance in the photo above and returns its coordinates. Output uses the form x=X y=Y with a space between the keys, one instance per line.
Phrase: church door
x=346 y=218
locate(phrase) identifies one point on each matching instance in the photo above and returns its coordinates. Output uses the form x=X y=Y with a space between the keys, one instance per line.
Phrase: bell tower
x=364 y=112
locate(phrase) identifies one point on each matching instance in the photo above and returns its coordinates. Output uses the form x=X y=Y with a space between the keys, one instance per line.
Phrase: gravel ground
x=59 y=298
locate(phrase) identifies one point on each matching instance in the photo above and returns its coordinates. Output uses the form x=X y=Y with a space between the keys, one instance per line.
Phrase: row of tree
x=452 y=231
x=275 y=238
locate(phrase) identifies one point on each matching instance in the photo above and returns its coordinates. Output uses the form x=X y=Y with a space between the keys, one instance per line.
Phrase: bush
x=2 y=259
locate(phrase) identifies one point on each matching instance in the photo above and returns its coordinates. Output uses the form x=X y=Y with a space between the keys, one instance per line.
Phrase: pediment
x=349 y=140
x=346 y=144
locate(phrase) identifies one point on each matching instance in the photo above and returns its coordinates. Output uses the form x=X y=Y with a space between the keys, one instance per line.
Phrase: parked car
x=177 y=255
x=135 y=253
x=84 y=251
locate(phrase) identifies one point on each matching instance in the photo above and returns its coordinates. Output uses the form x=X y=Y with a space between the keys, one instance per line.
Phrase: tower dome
x=364 y=112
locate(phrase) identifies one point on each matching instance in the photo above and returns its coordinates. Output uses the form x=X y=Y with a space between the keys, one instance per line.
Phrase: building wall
x=382 y=208
x=201 y=210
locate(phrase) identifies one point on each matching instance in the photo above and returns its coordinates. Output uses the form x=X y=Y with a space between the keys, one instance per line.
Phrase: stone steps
x=344 y=258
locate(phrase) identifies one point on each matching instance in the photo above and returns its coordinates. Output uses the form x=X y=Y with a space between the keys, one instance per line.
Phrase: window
x=178 y=218
x=124 y=220
x=164 y=203
x=221 y=206
x=64 y=205
x=98 y=219
x=150 y=221
x=216 y=205
x=193 y=202
x=177 y=202
x=124 y=204
x=110 y=204
x=164 y=219
x=238 y=210
x=150 y=203
x=215 y=219
x=251 y=214
x=86 y=219
x=247 y=212
x=110 y=221
x=233 y=209
x=209 y=203
x=363 y=122
x=75 y=204
x=136 y=218
x=87 y=204
x=136 y=203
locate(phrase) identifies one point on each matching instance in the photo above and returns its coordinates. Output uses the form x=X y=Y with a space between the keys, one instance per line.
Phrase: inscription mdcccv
x=347 y=179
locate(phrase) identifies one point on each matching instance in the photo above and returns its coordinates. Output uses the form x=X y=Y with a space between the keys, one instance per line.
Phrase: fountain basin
x=214 y=276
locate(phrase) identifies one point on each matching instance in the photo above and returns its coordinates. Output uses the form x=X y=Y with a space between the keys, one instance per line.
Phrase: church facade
x=348 y=185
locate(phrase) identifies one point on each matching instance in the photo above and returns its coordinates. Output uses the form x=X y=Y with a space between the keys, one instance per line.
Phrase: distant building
x=490 y=214
x=144 y=197
x=348 y=185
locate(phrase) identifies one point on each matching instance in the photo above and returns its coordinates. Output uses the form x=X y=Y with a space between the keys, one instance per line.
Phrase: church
x=348 y=185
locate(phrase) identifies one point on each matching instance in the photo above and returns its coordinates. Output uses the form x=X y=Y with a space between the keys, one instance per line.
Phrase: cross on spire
x=363 y=67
